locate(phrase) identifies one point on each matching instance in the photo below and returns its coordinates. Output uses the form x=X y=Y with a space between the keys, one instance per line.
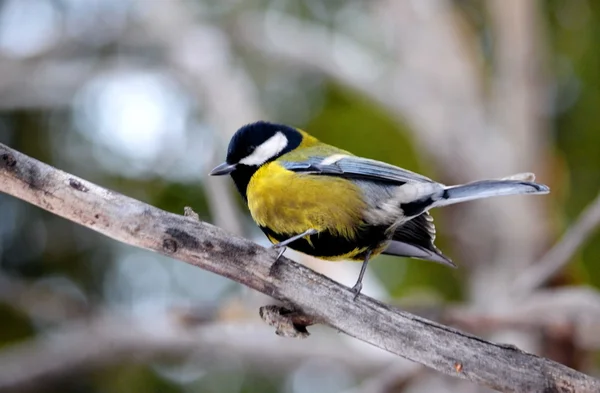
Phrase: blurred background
x=142 y=96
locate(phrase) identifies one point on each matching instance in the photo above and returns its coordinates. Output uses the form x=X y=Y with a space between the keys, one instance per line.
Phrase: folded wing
x=414 y=239
x=353 y=167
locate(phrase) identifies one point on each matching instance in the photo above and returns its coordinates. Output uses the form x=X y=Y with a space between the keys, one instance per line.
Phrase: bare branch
x=113 y=339
x=502 y=367
x=559 y=255
x=41 y=302
x=573 y=308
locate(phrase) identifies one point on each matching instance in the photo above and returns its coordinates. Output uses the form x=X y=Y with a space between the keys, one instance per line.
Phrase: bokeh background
x=142 y=96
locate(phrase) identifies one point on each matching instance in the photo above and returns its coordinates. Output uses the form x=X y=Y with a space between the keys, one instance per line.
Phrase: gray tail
x=489 y=188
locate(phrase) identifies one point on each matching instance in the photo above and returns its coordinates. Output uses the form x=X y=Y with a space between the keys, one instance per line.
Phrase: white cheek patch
x=267 y=150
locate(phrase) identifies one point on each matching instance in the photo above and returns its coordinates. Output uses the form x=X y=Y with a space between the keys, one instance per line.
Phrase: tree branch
x=501 y=367
x=559 y=255
x=83 y=346
x=573 y=308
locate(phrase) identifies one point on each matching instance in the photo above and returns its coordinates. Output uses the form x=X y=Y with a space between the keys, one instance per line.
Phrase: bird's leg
x=280 y=253
x=294 y=238
x=283 y=244
x=358 y=286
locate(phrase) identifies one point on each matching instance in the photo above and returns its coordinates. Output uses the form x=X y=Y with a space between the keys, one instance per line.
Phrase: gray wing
x=415 y=239
x=353 y=167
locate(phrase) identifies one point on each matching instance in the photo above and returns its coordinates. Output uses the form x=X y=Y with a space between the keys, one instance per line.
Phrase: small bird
x=326 y=202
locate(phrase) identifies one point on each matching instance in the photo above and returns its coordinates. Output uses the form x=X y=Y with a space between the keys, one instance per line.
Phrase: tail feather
x=402 y=249
x=489 y=188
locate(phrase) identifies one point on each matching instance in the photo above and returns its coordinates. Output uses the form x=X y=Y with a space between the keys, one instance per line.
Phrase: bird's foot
x=277 y=246
x=356 y=289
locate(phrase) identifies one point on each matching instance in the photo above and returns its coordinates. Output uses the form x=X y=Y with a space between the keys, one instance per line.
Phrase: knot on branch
x=7 y=160
x=170 y=246
x=76 y=184
x=288 y=323
x=189 y=212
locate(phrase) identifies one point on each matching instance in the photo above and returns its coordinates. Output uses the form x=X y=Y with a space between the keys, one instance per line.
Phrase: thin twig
x=575 y=308
x=389 y=379
x=40 y=302
x=559 y=255
x=115 y=339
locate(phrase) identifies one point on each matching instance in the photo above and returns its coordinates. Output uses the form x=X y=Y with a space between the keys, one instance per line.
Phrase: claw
x=280 y=252
x=283 y=244
x=356 y=289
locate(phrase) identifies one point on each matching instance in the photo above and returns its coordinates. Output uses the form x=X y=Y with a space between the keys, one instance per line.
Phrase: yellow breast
x=291 y=203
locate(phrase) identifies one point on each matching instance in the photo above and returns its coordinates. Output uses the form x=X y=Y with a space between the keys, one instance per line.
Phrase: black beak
x=223 y=169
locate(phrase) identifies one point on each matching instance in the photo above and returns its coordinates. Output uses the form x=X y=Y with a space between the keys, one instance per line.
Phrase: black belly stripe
x=325 y=244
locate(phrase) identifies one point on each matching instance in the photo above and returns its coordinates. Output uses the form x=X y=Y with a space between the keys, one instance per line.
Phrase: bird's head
x=256 y=144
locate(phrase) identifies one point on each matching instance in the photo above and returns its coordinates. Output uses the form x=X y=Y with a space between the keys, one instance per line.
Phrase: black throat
x=241 y=177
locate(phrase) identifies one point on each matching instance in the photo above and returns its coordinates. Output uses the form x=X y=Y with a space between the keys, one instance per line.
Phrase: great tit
x=326 y=202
